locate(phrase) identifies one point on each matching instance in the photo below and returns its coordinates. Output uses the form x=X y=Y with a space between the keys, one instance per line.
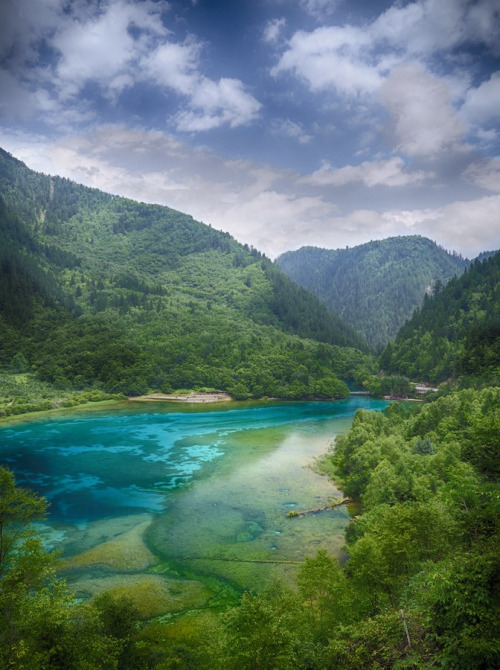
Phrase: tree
x=323 y=587
x=40 y=624
x=267 y=631
x=18 y=509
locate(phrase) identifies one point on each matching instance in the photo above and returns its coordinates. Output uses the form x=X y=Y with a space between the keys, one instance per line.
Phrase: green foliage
x=459 y=599
x=100 y=291
x=323 y=586
x=18 y=509
x=394 y=386
x=23 y=393
x=265 y=631
x=456 y=333
x=376 y=286
x=420 y=587
x=41 y=625
x=103 y=295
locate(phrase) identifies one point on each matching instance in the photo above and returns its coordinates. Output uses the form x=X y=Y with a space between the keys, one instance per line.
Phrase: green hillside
x=102 y=291
x=456 y=333
x=101 y=294
x=375 y=286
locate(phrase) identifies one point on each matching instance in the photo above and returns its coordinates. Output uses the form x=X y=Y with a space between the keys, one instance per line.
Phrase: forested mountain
x=456 y=332
x=101 y=290
x=375 y=286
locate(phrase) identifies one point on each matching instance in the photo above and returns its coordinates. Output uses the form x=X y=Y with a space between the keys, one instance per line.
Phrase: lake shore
x=182 y=397
x=54 y=411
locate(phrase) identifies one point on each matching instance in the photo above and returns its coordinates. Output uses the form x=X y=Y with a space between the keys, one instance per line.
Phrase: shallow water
x=209 y=488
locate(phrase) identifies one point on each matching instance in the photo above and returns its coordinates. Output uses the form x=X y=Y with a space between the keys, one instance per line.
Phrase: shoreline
x=44 y=413
x=189 y=398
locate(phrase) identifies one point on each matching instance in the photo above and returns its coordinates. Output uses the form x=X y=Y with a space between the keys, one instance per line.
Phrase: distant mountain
x=98 y=289
x=456 y=332
x=376 y=286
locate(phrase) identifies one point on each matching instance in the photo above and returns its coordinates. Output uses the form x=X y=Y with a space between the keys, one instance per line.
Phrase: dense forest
x=106 y=293
x=375 y=286
x=420 y=587
x=456 y=332
x=101 y=296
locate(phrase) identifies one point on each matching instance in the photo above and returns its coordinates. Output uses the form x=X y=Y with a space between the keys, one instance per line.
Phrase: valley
x=171 y=406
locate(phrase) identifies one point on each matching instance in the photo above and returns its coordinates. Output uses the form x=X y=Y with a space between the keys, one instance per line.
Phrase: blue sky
x=285 y=122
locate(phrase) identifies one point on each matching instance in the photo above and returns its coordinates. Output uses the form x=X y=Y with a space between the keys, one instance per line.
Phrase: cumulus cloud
x=399 y=48
x=330 y=58
x=102 y=48
x=289 y=128
x=482 y=104
x=23 y=24
x=425 y=123
x=272 y=30
x=274 y=210
x=473 y=224
x=115 y=46
x=421 y=27
x=485 y=174
x=215 y=103
x=320 y=8
x=174 y=65
x=390 y=172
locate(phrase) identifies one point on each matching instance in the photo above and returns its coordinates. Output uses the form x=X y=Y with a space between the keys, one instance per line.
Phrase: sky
x=284 y=122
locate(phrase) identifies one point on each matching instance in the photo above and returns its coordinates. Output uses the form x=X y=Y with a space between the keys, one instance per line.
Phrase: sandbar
x=183 y=397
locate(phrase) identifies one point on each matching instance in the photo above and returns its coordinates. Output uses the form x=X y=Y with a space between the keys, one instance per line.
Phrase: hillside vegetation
x=456 y=333
x=125 y=304
x=102 y=291
x=376 y=286
x=420 y=587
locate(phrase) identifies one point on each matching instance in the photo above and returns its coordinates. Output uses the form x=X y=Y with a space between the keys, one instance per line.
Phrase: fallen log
x=315 y=510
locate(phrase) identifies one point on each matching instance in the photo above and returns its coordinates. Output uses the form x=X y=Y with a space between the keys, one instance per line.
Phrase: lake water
x=182 y=507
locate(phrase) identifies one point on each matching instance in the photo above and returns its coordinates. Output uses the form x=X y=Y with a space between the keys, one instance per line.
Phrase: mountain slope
x=375 y=286
x=136 y=297
x=456 y=332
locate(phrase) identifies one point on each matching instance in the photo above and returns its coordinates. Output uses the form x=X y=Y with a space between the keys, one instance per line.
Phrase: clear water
x=211 y=486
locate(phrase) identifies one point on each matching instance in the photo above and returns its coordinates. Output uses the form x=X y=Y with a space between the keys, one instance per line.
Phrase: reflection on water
x=206 y=489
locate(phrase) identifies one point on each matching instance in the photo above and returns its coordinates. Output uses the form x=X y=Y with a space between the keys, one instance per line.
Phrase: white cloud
x=485 y=174
x=425 y=27
x=272 y=30
x=23 y=24
x=330 y=58
x=320 y=8
x=15 y=100
x=289 y=128
x=174 y=66
x=421 y=27
x=274 y=210
x=425 y=123
x=482 y=104
x=483 y=23
x=390 y=172
x=117 y=45
x=398 y=49
x=474 y=225
x=216 y=103
x=102 y=47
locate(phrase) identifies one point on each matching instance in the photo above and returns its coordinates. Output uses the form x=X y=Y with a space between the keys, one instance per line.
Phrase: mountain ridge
x=456 y=332
x=172 y=302
x=373 y=286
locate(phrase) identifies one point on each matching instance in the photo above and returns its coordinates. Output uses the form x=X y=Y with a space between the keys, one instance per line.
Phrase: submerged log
x=315 y=510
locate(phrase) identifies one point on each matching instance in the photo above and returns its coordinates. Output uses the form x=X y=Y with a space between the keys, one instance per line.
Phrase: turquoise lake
x=186 y=499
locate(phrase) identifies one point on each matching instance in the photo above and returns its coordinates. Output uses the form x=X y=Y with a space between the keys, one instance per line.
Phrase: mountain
x=102 y=290
x=456 y=332
x=376 y=286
